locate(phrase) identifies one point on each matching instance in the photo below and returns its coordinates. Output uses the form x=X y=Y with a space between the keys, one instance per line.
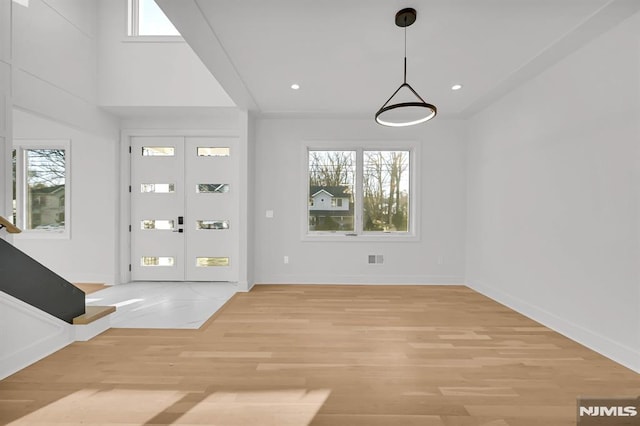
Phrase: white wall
x=278 y=175
x=5 y=109
x=55 y=63
x=54 y=92
x=135 y=72
x=90 y=253
x=554 y=193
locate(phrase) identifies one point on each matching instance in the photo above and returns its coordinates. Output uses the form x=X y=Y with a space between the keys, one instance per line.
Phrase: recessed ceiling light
x=295 y=86
x=456 y=87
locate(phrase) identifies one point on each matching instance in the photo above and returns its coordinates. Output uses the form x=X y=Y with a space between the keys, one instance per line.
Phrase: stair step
x=89 y=288
x=93 y=313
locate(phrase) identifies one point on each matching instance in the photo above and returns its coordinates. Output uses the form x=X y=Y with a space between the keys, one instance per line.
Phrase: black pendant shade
x=416 y=111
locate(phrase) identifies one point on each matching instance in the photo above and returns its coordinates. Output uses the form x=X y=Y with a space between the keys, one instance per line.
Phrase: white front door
x=184 y=209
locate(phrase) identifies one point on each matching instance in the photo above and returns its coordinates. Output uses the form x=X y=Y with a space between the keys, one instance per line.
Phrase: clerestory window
x=147 y=19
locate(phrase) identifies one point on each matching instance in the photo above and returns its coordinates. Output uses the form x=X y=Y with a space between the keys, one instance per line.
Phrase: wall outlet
x=268 y=214
x=375 y=259
x=440 y=260
x=286 y=260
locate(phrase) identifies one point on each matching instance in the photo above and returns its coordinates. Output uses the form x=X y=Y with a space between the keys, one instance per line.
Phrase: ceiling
x=347 y=56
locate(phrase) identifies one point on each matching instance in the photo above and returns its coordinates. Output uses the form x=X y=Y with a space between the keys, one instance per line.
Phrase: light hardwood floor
x=323 y=355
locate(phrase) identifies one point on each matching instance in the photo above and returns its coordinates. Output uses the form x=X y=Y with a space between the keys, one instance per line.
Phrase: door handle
x=180 y=230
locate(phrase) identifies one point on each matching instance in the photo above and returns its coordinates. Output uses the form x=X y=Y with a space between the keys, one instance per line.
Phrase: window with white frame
x=41 y=187
x=145 y=18
x=362 y=191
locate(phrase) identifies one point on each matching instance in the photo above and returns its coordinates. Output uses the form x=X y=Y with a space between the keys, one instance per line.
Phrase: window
x=212 y=224
x=41 y=190
x=147 y=19
x=205 y=262
x=359 y=192
x=386 y=191
x=332 y=175
x=209 y=151
x=215 y=188
x=158 y=151
x=157 y=261
x=165 y=225
x=158 y=188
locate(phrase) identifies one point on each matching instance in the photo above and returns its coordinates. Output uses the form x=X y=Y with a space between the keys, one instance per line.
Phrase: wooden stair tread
x=93 y=313
x=89 y=288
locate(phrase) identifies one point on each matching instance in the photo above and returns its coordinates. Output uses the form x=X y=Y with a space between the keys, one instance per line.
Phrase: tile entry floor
x=163 y=304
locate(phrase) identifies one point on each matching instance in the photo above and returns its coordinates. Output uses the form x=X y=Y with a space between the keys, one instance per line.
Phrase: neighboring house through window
x=360 y=191
x=331 y=208
x=41 y=186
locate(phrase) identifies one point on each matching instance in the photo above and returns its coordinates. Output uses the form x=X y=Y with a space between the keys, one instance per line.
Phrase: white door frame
x=124 y=246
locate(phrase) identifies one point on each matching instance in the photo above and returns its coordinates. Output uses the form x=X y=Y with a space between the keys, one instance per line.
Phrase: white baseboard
x=613 y=350
x=244 y=286
x=365 y=279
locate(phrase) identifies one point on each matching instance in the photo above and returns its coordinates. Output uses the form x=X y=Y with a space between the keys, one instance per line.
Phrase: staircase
x=40 y=312
x=28 y=280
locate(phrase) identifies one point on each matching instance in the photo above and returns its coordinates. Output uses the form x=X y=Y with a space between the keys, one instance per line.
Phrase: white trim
x=153 y=39
x=359 y=146
x=629 y=357
x=20 y=145
x=368 y=279
x=369 y=237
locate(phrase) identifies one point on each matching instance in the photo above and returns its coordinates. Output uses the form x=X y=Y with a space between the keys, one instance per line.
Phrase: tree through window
x=41 y=187
x=45 y=189
x=359 y=191
x=386 y=191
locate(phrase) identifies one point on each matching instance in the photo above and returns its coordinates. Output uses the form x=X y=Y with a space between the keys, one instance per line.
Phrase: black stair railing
x=28 y=280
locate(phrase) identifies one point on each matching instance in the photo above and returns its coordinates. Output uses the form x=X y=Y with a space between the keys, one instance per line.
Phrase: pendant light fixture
x=416 y=111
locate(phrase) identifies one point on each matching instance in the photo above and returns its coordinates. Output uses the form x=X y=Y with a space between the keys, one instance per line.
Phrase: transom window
x=147 y=19
x=359 y=191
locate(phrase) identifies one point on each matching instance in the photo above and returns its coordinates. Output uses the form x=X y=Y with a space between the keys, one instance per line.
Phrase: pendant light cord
x=405 y=49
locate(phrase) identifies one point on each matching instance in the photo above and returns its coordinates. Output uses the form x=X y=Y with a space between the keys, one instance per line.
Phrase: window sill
x=361 y=238
x=153 y=39
x=42 y=235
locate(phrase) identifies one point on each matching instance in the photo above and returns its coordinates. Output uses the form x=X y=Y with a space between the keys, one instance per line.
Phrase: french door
x=184 y=209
